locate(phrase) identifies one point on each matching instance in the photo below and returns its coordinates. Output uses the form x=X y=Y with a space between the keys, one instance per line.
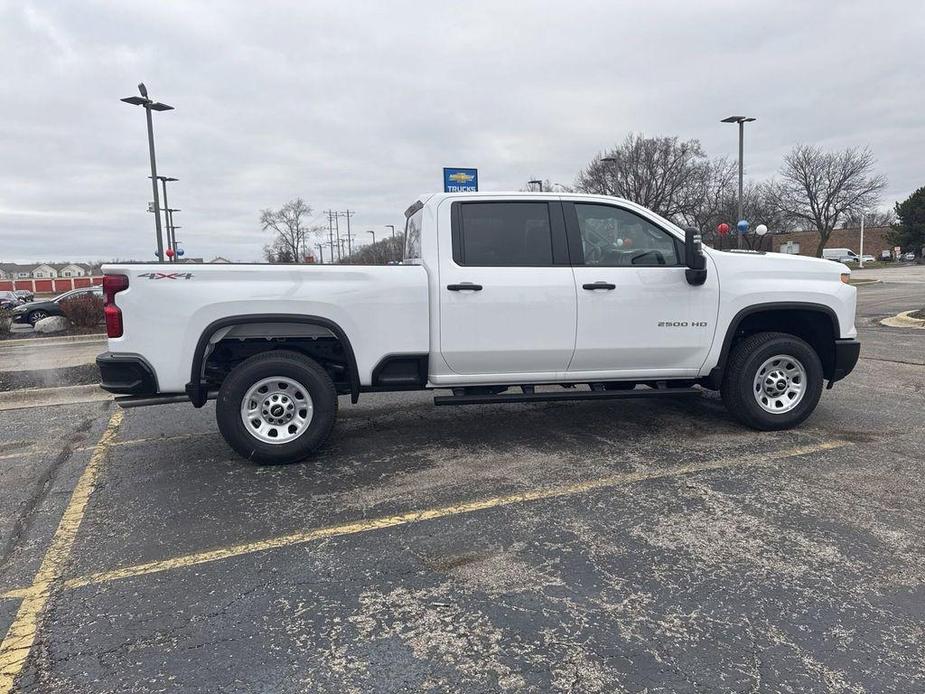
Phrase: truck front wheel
x=276 y=407
x=772 y=381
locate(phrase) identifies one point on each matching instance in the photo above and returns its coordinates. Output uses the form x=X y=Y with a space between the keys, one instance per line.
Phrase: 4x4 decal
x=167 y=275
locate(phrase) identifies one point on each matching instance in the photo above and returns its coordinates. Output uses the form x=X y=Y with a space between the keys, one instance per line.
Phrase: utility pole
x=340 y=247
x=331 y=233
x=320 y=247
x=348 y=214
x=168 y=218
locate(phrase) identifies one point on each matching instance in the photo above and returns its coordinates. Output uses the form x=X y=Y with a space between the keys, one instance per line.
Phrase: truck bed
x=166 y=308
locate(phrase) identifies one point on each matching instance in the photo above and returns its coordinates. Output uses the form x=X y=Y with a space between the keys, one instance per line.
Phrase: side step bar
x=566 y=395
x=129 y=401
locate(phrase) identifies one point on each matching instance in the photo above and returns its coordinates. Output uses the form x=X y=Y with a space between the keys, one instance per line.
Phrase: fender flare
x=198 y=394
x=716 y=373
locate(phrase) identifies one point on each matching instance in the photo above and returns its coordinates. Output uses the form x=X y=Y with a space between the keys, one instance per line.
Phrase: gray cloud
x=359 y=105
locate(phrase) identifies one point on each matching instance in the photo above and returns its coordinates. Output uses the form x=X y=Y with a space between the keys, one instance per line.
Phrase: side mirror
x=696 y=272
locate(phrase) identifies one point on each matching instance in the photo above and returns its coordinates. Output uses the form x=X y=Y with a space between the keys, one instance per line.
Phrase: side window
x=612 y=237
x=413 y=238
x=503 y=234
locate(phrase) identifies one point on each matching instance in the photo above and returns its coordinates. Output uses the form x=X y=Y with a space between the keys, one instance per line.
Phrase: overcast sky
x=360 y=105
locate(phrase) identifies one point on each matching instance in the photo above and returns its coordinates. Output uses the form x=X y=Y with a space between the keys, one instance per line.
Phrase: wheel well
x=228 y=342
x=815 y=326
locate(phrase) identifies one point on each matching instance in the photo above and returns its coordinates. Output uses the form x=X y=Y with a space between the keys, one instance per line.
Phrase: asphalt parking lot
x=594 y=547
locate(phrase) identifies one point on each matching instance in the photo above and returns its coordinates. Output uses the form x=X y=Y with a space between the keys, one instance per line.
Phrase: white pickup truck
x=499 y=297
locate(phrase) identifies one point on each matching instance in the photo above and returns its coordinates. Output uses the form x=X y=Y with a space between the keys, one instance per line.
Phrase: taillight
x=112 y=285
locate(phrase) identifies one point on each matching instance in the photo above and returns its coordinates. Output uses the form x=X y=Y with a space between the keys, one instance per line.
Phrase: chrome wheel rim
x=779 y=384
x=277 y=410
x=36 y=316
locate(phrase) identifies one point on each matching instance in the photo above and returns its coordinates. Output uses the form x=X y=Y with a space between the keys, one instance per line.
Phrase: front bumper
x=126 y=374
x=846 y=356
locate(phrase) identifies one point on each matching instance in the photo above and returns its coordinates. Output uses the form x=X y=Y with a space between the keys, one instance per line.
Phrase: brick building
x=805 y=242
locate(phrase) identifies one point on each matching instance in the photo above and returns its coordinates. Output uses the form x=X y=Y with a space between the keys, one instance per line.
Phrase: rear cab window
x=508 y=234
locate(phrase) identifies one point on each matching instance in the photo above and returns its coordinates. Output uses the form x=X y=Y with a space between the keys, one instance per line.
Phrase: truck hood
x=779 y=263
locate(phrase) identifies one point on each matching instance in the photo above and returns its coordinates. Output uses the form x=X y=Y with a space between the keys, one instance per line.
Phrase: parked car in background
x=9 y=300
x=840 y=255
x=886 y=255
x=35 y=311
x=867 y=258
x=908 y=256
x=24 y=295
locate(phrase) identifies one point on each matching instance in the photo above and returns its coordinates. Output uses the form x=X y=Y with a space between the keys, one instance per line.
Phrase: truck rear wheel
x=276 y=407
x=772 y=381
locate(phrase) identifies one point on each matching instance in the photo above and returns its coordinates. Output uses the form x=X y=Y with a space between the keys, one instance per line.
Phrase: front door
x=636 y=312
x=507 y=293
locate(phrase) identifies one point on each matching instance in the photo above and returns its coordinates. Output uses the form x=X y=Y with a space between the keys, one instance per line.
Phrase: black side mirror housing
x=696 y=272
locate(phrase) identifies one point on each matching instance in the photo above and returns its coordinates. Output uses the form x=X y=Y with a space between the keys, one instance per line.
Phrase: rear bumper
x=126 y=374
x=846 y=356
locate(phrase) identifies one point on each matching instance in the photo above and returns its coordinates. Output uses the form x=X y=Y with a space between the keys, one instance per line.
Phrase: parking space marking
x=21 y=635
x=157 y=439
x=305 y=536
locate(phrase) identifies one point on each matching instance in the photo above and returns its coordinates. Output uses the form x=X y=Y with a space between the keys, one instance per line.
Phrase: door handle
x=599 y=285
x=464 y=287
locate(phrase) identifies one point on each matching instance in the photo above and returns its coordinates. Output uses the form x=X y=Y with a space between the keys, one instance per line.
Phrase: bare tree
x=758 y=207
x=872 y=218
x=548 y=187
x=662 y=173
x=711 y=187
x=289 y=225
x=824 y=188
x=382 y=252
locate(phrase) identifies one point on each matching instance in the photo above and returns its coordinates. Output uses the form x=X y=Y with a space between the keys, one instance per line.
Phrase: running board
x=566 y=395
x=129 y=401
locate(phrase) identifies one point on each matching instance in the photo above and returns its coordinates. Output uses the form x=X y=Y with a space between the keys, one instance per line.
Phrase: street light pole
x=151 y=105
x=320 y=248
x=861 y=254
x=741 y=120
x=612 y=161
x=392 y=227
x=374 y=234
x=537 y=183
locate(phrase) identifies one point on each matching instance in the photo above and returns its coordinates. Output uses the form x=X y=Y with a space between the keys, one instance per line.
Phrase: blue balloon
x=742 y=226
x=179 y=251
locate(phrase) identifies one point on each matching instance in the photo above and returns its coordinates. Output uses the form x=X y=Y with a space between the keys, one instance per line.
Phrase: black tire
x=738 y=387
x=291 y=365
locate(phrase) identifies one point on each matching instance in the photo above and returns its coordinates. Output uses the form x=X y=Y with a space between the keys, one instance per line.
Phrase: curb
x=903 y=320
x=50 y=341
x=45 y=397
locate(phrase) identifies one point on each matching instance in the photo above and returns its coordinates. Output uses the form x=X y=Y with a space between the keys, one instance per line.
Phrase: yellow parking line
x=155 y=439
x=21 y=635
x=301 y=537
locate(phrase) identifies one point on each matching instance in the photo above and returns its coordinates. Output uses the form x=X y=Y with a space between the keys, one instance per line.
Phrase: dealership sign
x=456 y=180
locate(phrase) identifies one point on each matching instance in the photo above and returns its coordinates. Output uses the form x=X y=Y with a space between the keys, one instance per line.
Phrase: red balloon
x=170 y=253
x=723 y=229
x=627 y=243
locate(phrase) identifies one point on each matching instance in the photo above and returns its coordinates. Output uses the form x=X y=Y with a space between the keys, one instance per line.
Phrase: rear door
x=636 y=312
x=507 y=292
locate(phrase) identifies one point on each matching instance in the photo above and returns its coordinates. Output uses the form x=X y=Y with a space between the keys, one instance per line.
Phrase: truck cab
x=501 y=297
